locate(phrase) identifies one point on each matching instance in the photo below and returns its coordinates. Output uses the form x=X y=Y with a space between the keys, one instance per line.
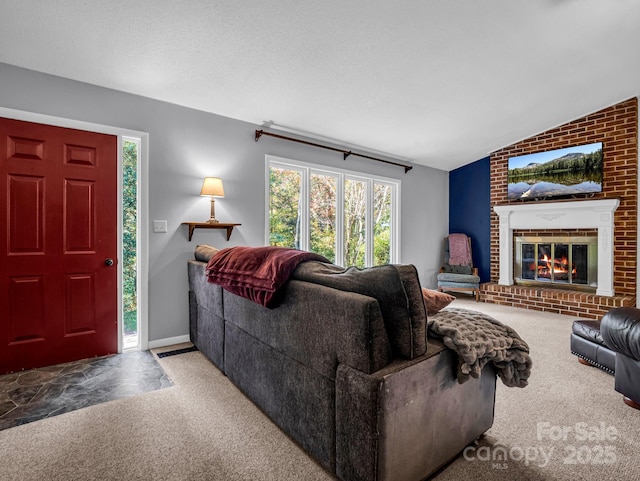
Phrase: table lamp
x=212 y=186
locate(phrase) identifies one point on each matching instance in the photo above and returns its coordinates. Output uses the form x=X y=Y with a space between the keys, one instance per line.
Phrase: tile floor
x=28 y=396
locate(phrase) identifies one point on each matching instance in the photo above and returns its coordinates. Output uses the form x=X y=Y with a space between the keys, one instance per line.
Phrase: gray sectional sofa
x=344 y=366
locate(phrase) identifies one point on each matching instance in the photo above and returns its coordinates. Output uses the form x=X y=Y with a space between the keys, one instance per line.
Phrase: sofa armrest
x=620 y=330
x=410 y=418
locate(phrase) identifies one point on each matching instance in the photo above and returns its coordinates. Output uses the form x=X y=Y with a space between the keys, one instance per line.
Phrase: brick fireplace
x=610 y=215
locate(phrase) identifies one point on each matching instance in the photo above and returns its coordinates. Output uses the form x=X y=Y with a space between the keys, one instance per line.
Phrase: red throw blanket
x=256 y=273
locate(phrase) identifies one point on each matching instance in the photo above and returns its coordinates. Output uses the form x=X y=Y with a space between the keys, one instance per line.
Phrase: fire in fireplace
x=569 y=262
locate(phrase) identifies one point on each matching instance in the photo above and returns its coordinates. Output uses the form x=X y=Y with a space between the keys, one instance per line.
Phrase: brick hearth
x=617 y=128
x=561 y=301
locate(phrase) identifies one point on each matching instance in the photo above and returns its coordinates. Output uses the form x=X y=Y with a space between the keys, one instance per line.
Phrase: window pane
x=322 y=215
x=544 y=262
x=580 y=261
x=381 y=224
x=528 y=261
x=130 y=151
x=284 y=207
x=561 y=263
x=348 y=217
x=355 y=209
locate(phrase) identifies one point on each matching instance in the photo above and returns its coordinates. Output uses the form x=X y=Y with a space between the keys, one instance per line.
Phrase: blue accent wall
x=470 y=210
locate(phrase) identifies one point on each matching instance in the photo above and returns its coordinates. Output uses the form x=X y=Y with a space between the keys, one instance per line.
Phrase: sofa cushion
x=317 y=326
x=435 y=300
x=449 y=269
x=462 y=278
x=411 y=283
x=397 y=290
x=205 y=252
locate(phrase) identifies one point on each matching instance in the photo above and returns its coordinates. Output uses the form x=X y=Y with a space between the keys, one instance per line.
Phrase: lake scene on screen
x=557 y=173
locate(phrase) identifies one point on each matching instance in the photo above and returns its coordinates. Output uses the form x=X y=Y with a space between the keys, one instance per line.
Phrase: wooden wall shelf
x=206 y=225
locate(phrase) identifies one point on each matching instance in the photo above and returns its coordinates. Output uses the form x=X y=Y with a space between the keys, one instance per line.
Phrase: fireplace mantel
x=585 y=214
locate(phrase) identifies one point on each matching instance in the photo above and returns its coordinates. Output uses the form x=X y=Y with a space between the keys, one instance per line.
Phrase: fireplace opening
x=568 y=262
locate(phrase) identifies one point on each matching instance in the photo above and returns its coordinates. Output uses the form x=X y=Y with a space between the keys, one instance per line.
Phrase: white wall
x=186 y=145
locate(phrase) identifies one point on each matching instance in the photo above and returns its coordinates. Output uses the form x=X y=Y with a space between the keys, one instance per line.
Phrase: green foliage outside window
x=382 y=224
x=284 y=208
x=129 y=258
x=285 y=215
x=322 y=215
x=355 y=206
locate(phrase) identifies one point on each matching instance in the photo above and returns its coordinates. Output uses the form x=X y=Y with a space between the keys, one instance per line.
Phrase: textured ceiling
x=440 y=83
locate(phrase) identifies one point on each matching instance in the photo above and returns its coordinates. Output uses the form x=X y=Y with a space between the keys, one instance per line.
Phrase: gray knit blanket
x=479 y=339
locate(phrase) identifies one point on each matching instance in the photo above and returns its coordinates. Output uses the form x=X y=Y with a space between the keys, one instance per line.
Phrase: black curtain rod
x=345 y=153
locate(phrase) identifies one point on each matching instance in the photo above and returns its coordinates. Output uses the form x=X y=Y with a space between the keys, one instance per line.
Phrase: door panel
x=80 y=315
x=26 y=204
x=58 y=205
x=79 y=222
x=31 y=149
x=26 y=309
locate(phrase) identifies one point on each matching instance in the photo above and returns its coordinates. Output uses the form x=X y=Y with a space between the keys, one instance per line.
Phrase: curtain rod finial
x=258 y=134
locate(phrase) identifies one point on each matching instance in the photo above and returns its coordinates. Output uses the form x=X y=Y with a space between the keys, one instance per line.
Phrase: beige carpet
x=202 y=428
x=602 y=438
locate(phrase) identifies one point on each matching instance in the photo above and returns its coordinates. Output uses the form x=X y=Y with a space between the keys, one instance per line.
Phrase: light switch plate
x=160 y=226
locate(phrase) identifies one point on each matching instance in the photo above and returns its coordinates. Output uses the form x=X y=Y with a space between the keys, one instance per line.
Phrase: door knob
x=108 y=262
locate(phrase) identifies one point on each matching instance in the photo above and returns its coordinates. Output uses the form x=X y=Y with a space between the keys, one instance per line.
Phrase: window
x=130 y=161
x=350 y=218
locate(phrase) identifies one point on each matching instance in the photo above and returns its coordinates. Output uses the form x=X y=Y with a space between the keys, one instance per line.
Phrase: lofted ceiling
x=440 y=83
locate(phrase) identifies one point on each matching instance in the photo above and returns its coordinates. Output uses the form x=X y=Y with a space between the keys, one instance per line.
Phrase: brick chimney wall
x=617 y=128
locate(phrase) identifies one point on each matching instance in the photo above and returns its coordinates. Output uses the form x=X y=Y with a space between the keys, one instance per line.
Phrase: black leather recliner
x=620 y=329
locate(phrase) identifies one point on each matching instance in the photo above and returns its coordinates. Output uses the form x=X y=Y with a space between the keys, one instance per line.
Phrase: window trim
x=308 y=168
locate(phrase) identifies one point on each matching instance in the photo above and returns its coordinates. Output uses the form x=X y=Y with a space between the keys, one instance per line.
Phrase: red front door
x=58 y=209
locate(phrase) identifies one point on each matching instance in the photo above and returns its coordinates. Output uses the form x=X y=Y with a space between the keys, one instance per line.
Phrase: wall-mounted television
x=569 y=172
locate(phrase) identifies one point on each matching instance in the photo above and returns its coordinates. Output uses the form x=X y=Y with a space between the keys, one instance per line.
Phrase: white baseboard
x=169 y=341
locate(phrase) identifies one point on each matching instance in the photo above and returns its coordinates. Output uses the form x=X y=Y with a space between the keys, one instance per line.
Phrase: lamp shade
x=212 y=186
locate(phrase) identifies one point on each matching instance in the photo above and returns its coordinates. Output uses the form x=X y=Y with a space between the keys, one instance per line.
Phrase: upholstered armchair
x=457 y=273
x=620 y=329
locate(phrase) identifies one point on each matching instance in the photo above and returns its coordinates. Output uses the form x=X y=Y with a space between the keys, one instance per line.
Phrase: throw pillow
x=204 y=252
x=435 y=300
